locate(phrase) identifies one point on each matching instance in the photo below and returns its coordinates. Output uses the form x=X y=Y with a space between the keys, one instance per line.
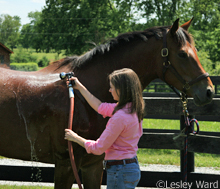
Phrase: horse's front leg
x=92 y=170
x=63 y=176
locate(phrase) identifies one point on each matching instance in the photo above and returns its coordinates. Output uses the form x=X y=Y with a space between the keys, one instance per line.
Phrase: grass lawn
x=24 y=187
x=50 y=56
x=172 y=157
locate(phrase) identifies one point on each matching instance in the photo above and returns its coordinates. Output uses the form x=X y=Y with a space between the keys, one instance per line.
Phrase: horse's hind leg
x=92 y=170
x=63 y=176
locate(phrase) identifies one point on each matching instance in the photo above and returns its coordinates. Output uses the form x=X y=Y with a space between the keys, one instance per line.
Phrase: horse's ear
x=174 y=27
x=187 y=24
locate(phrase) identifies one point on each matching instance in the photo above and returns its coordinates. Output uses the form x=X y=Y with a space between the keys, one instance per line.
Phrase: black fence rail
x=159 y=88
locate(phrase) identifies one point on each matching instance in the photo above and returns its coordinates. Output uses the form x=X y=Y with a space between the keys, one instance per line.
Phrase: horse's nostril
x=209 y=93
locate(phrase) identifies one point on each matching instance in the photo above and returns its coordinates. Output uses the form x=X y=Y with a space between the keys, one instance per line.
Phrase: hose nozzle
x=64 y=75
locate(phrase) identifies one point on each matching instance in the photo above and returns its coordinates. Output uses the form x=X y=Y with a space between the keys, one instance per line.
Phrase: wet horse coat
x=34 y=106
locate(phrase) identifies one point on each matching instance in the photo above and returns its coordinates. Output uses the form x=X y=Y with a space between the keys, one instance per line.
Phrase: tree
x=26 y=36
x=206 y=27
x=163 y=12
x=213 y=45
x=77 y=26
x=206 y=14
x=28 y=33
x=9 y=30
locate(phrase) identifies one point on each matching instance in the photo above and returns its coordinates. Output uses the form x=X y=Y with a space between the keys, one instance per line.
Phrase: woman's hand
x=77 y=84
x=70 y=135
x=92 y=100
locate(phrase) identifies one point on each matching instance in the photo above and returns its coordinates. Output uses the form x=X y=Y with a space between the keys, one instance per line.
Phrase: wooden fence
x=204 y=142
x=166 y=105
x=159 y=108
x=159 y=88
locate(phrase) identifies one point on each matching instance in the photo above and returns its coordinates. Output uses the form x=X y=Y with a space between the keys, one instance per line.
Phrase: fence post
x=190 y=155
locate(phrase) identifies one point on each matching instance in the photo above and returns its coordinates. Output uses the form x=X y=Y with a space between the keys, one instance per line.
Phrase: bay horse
x=34 y=106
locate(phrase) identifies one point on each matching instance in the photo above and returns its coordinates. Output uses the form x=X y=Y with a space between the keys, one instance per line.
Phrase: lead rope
x=189 y=123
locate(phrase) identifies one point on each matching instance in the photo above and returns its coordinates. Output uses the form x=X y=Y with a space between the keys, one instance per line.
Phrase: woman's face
x=115 y=94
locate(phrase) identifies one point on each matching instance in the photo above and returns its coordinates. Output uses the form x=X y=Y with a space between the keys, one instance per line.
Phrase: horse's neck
x=142 y=57
x=153 y=60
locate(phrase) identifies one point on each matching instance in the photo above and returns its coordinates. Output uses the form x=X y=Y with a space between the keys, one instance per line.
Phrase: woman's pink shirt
x=120 y=138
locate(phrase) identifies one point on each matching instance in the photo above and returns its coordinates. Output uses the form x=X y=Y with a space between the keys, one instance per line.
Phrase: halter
x=167 y=64
x=186 y=86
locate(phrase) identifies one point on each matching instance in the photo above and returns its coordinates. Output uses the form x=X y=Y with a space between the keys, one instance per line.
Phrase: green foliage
x=206 y=14
x=77 y=26
x=217 y=69
x=212 y=67
x=213 y=45
x=9 y=30
x=162 y=12
x=207 y=64
x=29 y=35
x=24 y=66
x=26 y=38
x=158 y=87
x=43 y=62
x=22 y=56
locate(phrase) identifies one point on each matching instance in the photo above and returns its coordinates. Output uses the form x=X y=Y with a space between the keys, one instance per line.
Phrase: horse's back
x=27 y=110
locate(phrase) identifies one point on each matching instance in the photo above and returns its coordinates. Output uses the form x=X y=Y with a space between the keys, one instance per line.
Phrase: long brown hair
x=128 y=84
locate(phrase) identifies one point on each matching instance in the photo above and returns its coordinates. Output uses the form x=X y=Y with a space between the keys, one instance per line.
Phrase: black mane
x=80 y=61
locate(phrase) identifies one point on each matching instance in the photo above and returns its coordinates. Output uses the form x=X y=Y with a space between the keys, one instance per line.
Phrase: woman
x=120 y=138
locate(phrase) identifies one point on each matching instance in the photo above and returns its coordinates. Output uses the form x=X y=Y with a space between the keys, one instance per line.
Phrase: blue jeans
x=123 y=176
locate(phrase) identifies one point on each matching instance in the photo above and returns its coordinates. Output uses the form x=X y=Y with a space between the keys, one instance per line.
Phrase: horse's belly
x=22 y=140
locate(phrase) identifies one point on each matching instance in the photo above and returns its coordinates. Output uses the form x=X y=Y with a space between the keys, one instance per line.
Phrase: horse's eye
x=183 y=54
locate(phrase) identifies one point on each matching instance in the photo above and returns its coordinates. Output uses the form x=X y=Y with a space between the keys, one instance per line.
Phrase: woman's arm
x=107 y=138
x=115 y=126
x=72 y=136
x=92 y=100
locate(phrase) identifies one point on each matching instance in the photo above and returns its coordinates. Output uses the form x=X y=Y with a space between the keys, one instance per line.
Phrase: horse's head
x=181 y=67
